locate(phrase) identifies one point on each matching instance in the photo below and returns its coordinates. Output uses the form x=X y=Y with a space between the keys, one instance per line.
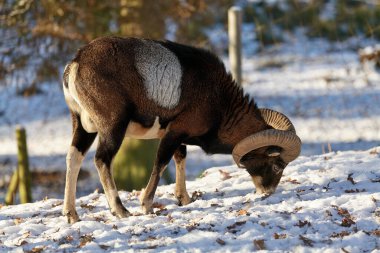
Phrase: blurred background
x=317 y=61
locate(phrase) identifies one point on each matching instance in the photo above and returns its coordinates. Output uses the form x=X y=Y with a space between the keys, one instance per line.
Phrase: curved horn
x=277 y=120
x=284 y=136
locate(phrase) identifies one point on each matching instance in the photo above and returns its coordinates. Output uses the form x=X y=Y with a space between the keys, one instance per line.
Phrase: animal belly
x=137 y=131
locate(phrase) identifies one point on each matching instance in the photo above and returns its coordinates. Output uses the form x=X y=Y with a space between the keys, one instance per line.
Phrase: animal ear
x=273 y=151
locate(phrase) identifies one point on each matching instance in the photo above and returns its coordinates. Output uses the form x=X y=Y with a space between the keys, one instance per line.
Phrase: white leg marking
x=180 y=183
x=73 y=162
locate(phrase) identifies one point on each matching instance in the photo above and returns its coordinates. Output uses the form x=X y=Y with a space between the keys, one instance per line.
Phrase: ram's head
x=266 y=154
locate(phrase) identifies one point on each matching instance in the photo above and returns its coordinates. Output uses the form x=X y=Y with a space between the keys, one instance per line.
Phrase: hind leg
x=109 y=144
x=180 y=173
x=80 y=144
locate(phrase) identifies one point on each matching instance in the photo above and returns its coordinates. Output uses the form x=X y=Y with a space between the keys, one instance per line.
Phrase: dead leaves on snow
x=301 y=224
x=243 y=212
x=340 y=234
x=279 y=236
x=259 y=244
x=351 y=179
x=232 y=228
x=84 y=239
x=196 y=195
x=292 y=181
x=224 y=175
x=347 y=219
x=37 y=249
x=87 y=206
x=308 y=242
x=356 y=190
x=220 y=242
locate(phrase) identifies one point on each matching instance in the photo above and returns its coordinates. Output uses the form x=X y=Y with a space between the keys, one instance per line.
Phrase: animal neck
x=241 y=118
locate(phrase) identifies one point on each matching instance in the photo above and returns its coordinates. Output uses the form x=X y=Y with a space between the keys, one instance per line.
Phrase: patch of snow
x=327 y=202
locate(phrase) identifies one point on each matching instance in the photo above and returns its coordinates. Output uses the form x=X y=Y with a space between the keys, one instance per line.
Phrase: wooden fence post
x=23 y=167
x=234 y=36
x=12 y=189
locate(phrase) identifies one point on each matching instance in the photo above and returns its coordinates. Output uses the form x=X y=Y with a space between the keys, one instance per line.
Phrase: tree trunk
x=134 y=162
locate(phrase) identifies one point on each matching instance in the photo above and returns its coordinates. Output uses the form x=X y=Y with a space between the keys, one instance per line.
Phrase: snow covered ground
x=324 y=203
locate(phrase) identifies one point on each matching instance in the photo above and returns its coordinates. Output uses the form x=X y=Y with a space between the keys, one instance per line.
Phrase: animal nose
x=265 y=190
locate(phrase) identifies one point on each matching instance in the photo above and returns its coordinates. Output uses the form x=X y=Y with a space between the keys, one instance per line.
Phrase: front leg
x=180 y=172
x=169 y=143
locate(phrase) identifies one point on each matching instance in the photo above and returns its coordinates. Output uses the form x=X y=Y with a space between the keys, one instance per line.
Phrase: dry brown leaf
x=220 y=241
x=23 y=242
x=87 y=206
x=373 y=152
x=301 y=224
x=344 y=250
x=376 y=232
x=69 y=238
x=196 y=195
x=259 y=244
x=158 y=205
x=36 y=250
x=242 y=212
x=292 y=181
x=104 y=247
x=224 y=175
x=18 y=221
x=190 y=227
x=341 y=211
x=347 y=222
x=84 y=239
x=26 y=234
x=308 y=242
x=170 y=218
x=279 y=236
x=236 y=224
x=354 y=190
x=100 y=219
x=58 y=203
x=340 y=235
x=351 y=179
x=151 y=238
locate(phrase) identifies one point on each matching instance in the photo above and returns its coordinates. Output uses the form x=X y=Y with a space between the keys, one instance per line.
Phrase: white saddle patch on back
x=161 y=71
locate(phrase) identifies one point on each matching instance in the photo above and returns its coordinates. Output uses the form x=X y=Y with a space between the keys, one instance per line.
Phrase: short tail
x=66 y=73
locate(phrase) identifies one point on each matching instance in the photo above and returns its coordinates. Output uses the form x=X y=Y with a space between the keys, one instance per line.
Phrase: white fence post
x=234 y=36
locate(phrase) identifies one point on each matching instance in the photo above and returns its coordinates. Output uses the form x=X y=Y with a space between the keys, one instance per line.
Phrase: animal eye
x=277 y=169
